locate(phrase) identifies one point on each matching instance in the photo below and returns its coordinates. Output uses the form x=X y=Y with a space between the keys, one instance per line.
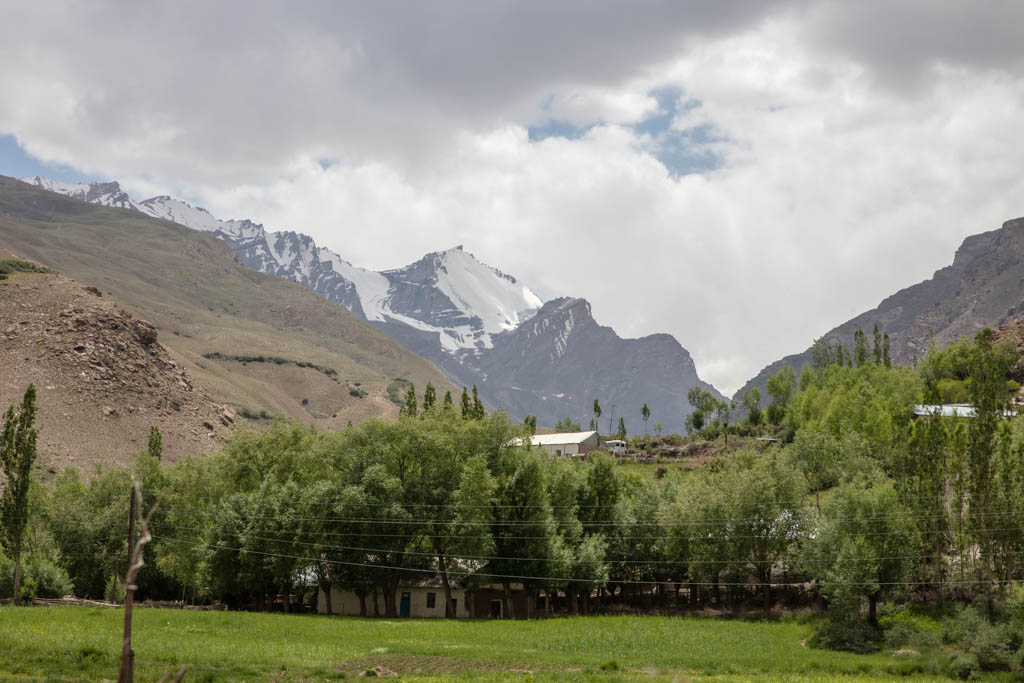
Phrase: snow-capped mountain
x=479 y=325
x=107 y=194
x=449 y=295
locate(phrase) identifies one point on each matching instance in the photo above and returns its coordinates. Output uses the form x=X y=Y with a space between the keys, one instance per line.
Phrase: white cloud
x=837 y=183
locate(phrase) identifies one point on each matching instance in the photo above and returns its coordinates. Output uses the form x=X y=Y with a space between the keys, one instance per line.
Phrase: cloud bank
x=743 y=176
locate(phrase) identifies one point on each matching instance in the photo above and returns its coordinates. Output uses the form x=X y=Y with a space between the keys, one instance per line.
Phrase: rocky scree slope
x=102 y=376
x=983 y=287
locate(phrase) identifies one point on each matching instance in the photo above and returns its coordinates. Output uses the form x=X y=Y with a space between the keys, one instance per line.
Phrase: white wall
x=567 y=449
x=347 y=603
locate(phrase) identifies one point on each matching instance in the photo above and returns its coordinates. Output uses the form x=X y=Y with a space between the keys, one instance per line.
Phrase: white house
x=426 y=600
x=573 y=444
x=411 y=601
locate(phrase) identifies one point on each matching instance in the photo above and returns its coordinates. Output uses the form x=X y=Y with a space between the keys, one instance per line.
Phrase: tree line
x=856 y=505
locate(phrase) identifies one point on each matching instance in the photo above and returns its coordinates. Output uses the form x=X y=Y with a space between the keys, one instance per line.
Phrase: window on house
x=431 y=600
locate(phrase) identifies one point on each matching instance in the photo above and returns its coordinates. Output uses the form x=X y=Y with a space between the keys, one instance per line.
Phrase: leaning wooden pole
x=127 y=673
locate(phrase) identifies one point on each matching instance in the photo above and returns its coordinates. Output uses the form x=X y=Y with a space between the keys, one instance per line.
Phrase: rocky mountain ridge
x=468 y=318
x=982 y=287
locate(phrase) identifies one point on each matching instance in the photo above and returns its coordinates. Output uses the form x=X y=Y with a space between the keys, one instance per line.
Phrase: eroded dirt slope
x=102 y=376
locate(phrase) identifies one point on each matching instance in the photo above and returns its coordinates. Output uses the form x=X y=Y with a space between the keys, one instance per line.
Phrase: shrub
x=992 y=646
x=848 y=635
x=964 y=666
x=41 y=577
x=8 y=266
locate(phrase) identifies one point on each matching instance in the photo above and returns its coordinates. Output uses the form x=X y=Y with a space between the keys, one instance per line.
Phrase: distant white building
x=573 y=444
x=952 y=410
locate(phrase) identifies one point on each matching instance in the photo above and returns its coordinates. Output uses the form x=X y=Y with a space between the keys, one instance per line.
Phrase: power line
x=599 y=580
x=461 y=556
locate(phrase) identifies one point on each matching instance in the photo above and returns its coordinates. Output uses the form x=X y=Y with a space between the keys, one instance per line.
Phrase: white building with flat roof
x=573 y=444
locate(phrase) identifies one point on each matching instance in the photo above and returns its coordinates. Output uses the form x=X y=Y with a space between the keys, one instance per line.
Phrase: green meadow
x=72 y=643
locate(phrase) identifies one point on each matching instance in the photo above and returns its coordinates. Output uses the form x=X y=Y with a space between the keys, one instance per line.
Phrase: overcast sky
x=742 y=175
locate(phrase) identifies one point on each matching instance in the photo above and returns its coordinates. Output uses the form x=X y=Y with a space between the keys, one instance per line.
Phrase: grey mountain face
x=480 y=326
x=559 y=361
x=983 y=287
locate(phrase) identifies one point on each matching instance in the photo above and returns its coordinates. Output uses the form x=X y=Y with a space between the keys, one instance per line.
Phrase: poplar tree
x=447 y=404
x=410 y=408
x=597 y=416
x=877 y=351
x=155 y=449
x=622 y=429
x=645 y=413
x=886 y=360
x=478 y=406
x=467 y=406
x=17 y=453
x=429 y=397
x=860 y=348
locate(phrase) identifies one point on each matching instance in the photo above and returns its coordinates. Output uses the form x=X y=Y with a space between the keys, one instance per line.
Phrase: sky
x=741 y=175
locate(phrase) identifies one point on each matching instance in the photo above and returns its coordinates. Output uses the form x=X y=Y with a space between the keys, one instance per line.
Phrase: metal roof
x=563 y=439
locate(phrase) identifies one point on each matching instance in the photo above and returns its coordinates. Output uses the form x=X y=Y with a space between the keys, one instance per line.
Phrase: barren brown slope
x=103 y=378
x=202 y=301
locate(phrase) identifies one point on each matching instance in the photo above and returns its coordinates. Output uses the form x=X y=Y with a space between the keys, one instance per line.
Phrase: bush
x=992 y=646
x=902 y=634
x=848 y=635
x=964 y=667
x=41 y=577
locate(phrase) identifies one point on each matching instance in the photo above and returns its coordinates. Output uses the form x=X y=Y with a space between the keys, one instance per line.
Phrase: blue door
x=403 y=609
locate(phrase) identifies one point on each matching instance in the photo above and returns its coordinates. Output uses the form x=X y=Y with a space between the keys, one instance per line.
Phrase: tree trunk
x=287 y=601
x=326 y=588
x=447 y=586
x=362 y=604
x=586 y=600
x=873 y=610
x=570 y=597
x=506 y=601
x=376 y=604
x=766 y=578
x=17 y=574
x=390 y=609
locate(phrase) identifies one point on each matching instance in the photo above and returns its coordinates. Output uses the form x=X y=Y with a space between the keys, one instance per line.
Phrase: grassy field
x=71 y=643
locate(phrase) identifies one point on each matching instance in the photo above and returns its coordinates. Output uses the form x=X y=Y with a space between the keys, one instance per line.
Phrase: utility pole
x=127 y=674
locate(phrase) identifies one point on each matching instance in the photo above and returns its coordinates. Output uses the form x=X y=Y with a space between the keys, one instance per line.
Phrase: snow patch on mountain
x=105 y=194
x=371 y=287
x=500 y=301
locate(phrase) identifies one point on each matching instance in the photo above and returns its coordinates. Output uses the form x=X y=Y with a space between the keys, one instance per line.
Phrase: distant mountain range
x=983 y=287
x=233 y=346
x=479 y=325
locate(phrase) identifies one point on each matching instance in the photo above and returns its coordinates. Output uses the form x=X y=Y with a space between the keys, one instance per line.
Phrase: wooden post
x=127 y=673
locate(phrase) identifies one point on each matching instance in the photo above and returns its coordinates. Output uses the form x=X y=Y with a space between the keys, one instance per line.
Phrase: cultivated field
x=71 y=643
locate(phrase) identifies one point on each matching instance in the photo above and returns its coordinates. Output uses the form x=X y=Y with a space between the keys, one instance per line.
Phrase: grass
x=83 y=644
x=10 y=266
x=276 y=360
